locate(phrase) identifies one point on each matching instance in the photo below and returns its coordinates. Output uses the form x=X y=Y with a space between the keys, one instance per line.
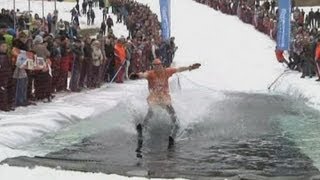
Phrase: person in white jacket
x=97 y=58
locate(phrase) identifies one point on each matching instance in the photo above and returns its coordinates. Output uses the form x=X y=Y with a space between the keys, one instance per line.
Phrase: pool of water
x=240 y=134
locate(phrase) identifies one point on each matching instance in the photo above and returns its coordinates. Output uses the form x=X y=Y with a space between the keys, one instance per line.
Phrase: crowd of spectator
x=45 y=56
x=304 y=53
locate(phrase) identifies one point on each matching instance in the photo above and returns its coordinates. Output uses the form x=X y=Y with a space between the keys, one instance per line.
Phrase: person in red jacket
x=66 y=59
x=158 y=86
x=280 y=57
x=120 y=59
x=317 y=59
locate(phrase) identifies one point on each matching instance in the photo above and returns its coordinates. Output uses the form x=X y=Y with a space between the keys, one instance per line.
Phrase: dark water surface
x=243 y=134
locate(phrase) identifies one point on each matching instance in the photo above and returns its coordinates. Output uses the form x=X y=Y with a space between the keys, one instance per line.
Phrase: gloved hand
x=133 y=76
x=194 y=66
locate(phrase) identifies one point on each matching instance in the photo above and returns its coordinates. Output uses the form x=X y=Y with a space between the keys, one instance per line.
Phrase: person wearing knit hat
x=159 y=96
x=38 y=39
x=42 y=34
x=22 y=34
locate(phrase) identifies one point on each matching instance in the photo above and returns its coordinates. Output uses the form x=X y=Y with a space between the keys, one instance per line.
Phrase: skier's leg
x=174 y=124
x=145 y=121
x=139 y=129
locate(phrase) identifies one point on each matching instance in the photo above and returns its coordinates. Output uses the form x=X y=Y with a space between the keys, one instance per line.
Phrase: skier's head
x=156 y=62
x=157 y=65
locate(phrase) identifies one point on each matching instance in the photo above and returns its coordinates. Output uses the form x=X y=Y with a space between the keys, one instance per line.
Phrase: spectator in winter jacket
x=62 y=28
x=76 y=20
x=97 y=58
x=317 y=18
x=76 y=65
x=317 y=59
x=66 y=59
x=307 y=61
x=90 y=3
x=129 y=52
x=42 y=80
x=109 y=50
x=104 y=14
x=77 y=8
x=293 y=4
x=5 y=74
x=103 y=28
x=257 y=3
x=73 y=13
x=311 y=18
x=266 y=5
x=280 y=57
x=163 y=52
x=107 y=5
x=103 y=66
x=20 y=42
x=89 y=17
x=273 y=6
x=92 y=16
x=54 y=23
x=101 y=4
x=21 y=77
x=172 y=50
x=55 y=56
x=109 y=23
x=5 y=36
x=86 y=64
x=120 y=58
x=84 y=7
x=49 y=21
x=296 y=14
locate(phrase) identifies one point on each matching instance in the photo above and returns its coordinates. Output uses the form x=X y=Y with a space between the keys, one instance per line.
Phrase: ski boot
x=171 y=142
x=139 y=130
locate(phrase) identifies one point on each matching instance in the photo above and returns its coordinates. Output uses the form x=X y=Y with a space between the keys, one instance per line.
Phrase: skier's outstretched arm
x=140 y=75
x=191 y=67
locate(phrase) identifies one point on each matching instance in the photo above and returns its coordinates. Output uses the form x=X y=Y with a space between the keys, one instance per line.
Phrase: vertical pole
x=14 y=14
x=55 y=5
x=29 y=6
x=42 y=8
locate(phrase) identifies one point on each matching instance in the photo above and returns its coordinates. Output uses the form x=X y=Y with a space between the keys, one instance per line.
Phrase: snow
x=64 y=13
x=27 y=123
x=7 y=172
x=234 y=57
